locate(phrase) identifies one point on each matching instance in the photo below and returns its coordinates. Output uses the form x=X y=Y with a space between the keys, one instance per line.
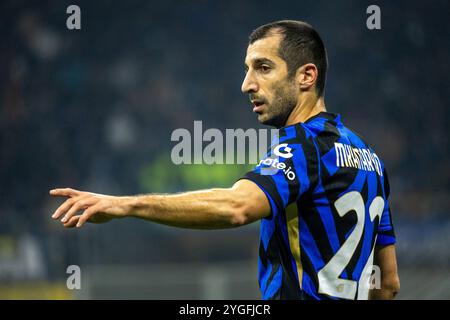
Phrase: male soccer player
x=321 y=192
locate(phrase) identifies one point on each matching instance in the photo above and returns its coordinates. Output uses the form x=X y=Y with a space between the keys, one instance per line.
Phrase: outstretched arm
x=217 y=208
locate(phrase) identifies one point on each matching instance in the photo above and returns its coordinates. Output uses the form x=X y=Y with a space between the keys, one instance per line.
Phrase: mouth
x=258 y=106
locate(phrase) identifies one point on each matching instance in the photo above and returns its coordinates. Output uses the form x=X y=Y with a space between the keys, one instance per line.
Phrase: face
x=272 y=93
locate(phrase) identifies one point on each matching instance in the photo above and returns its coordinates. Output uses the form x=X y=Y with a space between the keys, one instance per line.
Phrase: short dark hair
x=301 y=44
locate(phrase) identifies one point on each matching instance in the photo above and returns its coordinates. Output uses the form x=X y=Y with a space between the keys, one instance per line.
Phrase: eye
x=265 y=68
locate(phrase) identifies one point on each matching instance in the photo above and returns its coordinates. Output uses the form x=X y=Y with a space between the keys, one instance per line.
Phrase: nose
x=249 y=85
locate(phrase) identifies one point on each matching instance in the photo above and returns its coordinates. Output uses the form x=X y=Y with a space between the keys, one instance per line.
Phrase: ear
x=306 y=76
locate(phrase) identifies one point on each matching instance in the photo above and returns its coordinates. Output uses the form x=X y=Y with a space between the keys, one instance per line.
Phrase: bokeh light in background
x=94 y=109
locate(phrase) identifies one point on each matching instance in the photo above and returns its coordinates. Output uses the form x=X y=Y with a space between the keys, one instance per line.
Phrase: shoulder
x=298 y=133
x=293 y=142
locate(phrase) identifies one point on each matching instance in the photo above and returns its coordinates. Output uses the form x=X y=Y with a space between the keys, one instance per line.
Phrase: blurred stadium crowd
x=94 y=109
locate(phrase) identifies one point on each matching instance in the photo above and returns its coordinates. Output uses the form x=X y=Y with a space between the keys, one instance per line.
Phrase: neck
x=308 y=106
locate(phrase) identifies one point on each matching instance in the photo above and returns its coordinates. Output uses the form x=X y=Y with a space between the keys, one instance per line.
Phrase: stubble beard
x=284 y=101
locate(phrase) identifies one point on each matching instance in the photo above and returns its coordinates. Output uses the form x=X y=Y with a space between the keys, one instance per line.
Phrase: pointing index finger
x=63 y=192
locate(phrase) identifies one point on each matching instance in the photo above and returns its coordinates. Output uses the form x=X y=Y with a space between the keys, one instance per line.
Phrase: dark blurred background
x=94 y=109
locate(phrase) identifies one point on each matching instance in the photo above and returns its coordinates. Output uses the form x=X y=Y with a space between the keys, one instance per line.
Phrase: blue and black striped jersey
x=328 y=192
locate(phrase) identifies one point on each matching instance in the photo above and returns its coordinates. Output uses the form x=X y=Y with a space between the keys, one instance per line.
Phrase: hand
x=98 y=208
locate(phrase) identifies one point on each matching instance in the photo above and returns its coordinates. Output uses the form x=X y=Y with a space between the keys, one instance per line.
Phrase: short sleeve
x=386 y=234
